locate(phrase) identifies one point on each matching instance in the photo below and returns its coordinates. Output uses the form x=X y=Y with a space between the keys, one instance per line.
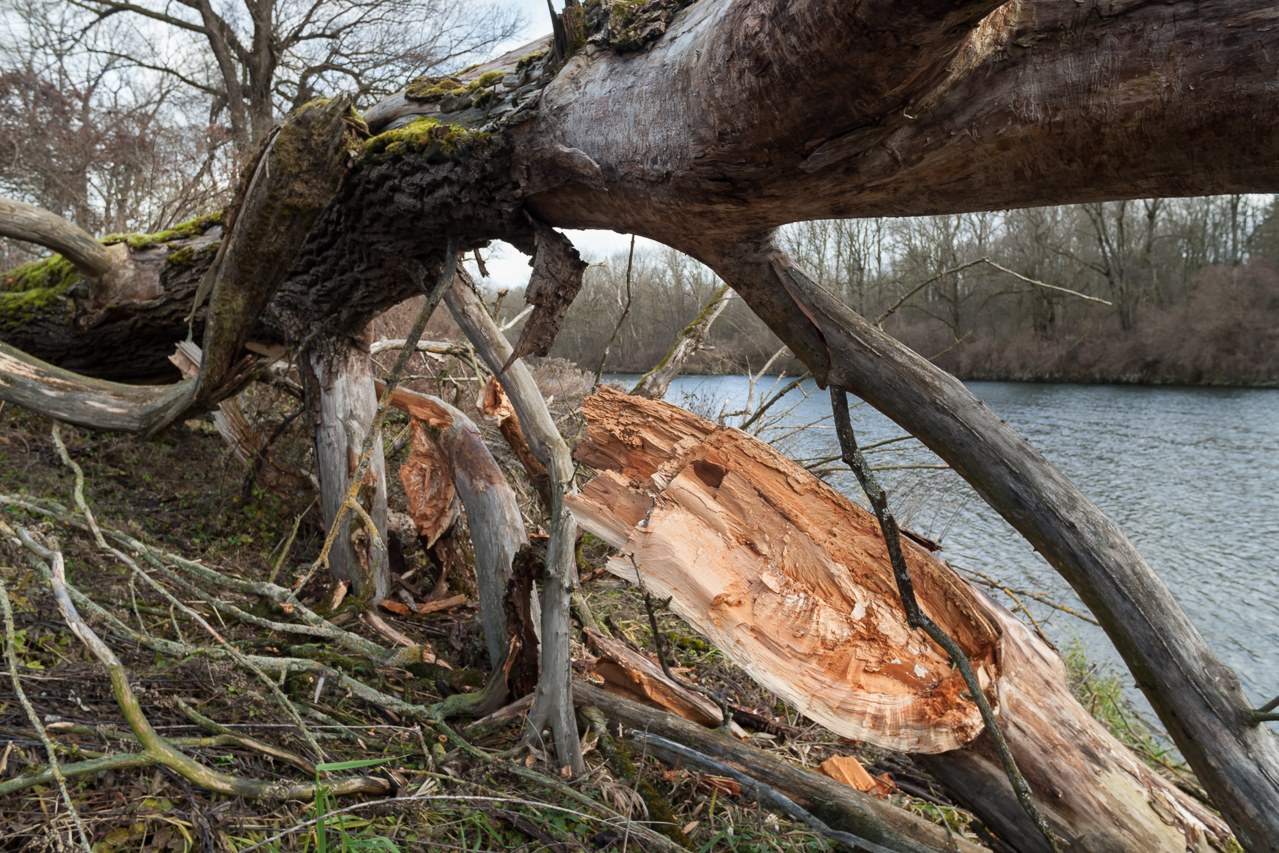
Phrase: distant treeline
x=1193 y=287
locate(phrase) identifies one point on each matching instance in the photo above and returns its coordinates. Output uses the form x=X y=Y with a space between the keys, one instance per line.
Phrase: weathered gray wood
x=492 y=515
x=341 y=402
x=653 y=384
x=553 y=704
x=840 y=806
x=1197 y=698
x=22 y=221
x=79 y=400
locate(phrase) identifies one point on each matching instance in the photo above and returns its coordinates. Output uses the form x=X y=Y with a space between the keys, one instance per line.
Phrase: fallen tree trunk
x=792 y=582
x=838 y=805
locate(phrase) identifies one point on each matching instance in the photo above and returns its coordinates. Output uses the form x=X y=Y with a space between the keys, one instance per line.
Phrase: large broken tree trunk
x=792 y=581
x=740 y=116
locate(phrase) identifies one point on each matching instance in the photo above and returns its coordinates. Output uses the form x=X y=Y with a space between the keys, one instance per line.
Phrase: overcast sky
x=507 y=267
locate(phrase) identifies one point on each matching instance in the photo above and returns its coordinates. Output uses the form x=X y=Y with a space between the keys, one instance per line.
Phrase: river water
x=1190 y=474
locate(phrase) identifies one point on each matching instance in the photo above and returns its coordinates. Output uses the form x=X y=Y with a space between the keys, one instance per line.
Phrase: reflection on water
x=1190 y=474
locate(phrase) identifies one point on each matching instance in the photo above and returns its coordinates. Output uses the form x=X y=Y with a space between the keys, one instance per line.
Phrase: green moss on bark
x=34 y=288
x=193 y=228
x=424 y=136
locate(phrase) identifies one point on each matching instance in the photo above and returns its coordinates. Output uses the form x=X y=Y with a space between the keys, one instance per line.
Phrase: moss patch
x=423 y=136
x=33 y=288
x=488 y=78
x=528 y=59
x=194 y=228
x=431 y=88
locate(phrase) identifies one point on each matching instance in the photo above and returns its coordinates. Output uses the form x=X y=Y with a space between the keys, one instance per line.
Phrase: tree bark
x=492 y=515
x=1197 y=698
x=341 y=402
x=22 y=221
x=792 y=581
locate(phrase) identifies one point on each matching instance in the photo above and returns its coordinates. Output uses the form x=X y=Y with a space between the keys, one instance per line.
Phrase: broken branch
x=916 y=617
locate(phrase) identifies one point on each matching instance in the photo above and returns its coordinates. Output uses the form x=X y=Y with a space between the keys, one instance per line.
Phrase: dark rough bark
x=123 y=340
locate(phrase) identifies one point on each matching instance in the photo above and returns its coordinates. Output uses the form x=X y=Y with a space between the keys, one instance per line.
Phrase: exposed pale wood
x=492 y=402
x=840 y=806
x=628 y=673
x=428 y=486
x=553 y=705
x=492 y=515
x=341 y=402
x=654 y=383
x=847 y=769
x=792 y=582
x=22 y=221
x=793 y=585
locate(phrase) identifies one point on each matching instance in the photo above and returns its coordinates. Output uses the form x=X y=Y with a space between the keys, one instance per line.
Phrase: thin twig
x=916 y=618
x=987 y=581
x=879 y=323
x=83 y=505
x=625 y=311
x=11 y=647
x=759 y=413
x=775 y=799
x=156 y=748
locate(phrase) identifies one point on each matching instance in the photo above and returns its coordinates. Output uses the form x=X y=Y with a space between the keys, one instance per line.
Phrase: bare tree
x=270 y=56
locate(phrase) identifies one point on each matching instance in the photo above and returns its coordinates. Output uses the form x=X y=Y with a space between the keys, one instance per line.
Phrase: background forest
x=1192 y=287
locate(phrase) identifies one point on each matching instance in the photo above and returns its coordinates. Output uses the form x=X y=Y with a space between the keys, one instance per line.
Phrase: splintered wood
x=786 y=576
x=791 y=581
x=428 y=486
